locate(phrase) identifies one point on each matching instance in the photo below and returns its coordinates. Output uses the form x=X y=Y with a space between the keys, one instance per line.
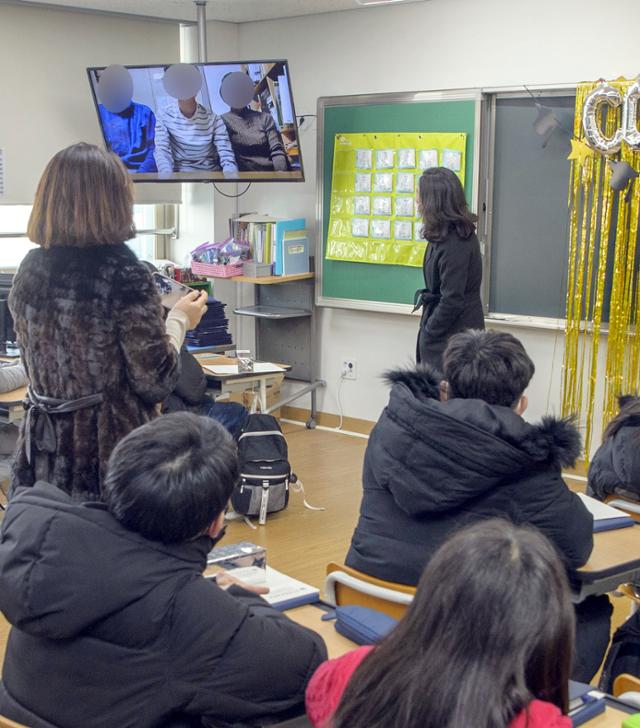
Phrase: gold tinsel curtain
x=603 y=235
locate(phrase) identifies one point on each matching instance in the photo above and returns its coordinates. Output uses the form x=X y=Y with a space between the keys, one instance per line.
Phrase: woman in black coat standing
x=450 y=300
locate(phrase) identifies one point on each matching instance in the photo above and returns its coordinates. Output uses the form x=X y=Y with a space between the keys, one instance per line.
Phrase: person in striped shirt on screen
x=189 y=138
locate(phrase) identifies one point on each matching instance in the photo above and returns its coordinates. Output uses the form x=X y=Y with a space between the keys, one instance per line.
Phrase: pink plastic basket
x=218 y=271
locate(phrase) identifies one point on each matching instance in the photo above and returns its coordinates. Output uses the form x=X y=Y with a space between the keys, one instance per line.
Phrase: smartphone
x=170 y=291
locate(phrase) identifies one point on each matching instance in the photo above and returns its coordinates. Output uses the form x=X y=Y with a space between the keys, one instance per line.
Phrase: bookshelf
x=285 y=330
x=269 y=280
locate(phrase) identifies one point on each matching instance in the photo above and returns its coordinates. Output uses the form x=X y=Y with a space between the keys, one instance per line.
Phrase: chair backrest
x=4 y=636
x=6 y=723
x=346 y=586
x=625 y=683
x=629 y=506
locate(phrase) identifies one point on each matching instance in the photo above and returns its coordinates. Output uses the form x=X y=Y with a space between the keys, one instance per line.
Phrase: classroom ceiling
x=234 y=11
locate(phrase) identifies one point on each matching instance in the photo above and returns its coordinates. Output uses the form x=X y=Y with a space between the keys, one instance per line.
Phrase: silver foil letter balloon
x=630 y=115
x=604 y=94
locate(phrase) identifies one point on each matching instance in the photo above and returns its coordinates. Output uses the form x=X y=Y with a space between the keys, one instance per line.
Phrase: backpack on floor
x=624 y=653
x=265 y=472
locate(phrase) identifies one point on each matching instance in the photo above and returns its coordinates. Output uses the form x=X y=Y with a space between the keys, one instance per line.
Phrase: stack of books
x=213 y=327
x=281 y=243
x=259 y=232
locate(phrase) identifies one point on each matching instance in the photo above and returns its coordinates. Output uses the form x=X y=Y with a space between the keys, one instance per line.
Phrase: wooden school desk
x=11 y=409
x=615 y=560
x=240 y=382
x=311 y=616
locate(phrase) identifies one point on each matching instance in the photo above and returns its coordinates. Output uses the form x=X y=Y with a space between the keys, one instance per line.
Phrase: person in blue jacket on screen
x=129 y=127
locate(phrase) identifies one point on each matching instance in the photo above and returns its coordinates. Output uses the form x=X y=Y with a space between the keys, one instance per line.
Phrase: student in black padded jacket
x=113 y=623
x=190 y=395
x=452 y=265
x=615 y=468
x=432 y=467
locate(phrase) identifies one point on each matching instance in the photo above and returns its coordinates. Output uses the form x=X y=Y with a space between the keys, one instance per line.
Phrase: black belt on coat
x=423 y=297
x=39 y=429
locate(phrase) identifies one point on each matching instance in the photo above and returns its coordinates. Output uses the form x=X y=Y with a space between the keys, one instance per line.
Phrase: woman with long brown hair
x=487 y=642
x=89 y=324
x=450 y=300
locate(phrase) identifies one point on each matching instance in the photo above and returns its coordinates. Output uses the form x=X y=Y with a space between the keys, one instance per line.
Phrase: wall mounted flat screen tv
x=202 y=122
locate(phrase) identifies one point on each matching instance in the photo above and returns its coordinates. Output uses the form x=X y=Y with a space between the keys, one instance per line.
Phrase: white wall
x=198 y=223
x=432 y=45
x=45 y=96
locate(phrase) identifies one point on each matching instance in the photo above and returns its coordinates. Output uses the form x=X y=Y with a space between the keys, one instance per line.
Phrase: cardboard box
x=246 y=397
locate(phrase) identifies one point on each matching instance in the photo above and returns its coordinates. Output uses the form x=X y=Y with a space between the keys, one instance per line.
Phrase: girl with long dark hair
x=615 y=467
x=450 y=300
x=486 y=642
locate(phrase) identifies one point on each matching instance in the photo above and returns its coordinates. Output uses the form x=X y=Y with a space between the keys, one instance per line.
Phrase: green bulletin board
x=380 y=286
x=374 y=218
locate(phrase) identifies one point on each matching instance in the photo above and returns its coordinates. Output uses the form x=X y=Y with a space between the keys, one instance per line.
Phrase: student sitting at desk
x=486 y=642
x=190 y=391
x=190 y=394
x=433 y=466
x=113 y=622
x=615 y=468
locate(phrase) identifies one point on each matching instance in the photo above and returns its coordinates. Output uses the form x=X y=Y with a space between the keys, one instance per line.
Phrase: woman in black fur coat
x=89 y=324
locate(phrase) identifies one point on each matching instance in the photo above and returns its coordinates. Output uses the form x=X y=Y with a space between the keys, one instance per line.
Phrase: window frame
x=164 y=230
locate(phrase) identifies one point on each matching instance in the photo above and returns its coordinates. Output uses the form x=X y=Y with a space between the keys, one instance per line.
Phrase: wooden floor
x=301 y=542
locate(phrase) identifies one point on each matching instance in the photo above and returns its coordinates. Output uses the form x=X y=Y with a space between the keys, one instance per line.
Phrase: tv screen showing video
x=201 y=122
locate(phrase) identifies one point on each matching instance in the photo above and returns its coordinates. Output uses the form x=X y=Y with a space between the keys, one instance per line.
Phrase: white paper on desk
x=282 y=588
x=601 y=511
x=261 y=367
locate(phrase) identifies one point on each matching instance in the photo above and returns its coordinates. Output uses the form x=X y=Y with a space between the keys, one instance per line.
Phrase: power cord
x=224 y=194
x=339 y=401
x=303 y=117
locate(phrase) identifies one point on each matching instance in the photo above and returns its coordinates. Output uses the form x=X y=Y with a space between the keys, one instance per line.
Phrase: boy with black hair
x=113 y=622
x=446 y=454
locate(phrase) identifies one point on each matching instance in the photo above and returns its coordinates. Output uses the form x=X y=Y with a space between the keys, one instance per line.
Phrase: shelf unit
x=285 y=325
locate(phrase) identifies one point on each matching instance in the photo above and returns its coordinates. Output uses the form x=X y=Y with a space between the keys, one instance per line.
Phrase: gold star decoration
x=581 y=152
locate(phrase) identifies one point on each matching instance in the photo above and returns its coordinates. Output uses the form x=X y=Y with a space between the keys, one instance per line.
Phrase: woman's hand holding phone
x=194 y=304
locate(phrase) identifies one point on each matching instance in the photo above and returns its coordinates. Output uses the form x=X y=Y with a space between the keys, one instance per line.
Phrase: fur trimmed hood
x=416 y=392
x=433 y=467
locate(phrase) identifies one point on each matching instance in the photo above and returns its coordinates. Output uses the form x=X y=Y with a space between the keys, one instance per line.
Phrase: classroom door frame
x=324 y=102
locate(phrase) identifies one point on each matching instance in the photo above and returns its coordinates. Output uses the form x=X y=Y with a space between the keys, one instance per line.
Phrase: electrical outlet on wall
x=349 y=368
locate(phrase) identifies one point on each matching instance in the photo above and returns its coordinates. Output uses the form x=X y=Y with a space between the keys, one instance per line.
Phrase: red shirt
x=330 y=681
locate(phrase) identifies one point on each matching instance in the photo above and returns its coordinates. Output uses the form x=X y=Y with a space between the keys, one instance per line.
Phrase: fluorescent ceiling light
x=378 y=2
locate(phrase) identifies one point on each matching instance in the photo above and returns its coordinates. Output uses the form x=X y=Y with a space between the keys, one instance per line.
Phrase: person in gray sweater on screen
x=254 y=135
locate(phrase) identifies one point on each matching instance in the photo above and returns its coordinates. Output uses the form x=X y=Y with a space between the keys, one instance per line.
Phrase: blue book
x=585 y=702
x=295 y=253
x=284 y=591
x=281 y=227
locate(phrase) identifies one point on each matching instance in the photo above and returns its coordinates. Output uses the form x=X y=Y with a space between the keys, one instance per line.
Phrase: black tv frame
x=241 y=177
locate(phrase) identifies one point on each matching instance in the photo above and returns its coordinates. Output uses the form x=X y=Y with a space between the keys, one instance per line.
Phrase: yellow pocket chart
x=375 y=178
